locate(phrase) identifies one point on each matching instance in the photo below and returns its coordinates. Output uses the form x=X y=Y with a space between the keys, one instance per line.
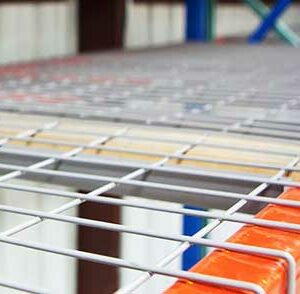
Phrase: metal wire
x=177 y=91
x=160 y=154
x=203 y=232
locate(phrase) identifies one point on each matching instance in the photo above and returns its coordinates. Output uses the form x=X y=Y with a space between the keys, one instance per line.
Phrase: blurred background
x=38 y=29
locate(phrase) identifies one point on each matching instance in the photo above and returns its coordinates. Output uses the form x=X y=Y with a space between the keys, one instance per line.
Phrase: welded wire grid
x=185 y=124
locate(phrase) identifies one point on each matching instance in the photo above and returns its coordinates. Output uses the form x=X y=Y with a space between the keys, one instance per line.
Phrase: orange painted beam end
x=269 y=273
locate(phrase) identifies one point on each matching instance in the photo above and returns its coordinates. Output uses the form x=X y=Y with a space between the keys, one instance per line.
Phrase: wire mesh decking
x=216 y=127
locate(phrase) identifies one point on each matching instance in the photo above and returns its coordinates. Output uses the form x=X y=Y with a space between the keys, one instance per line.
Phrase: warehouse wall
x=154 y=24
x=235 y=20
x=30 y=31
x=49 y=29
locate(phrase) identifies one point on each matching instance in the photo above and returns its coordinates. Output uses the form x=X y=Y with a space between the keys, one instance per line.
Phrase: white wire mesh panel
x=215 y=127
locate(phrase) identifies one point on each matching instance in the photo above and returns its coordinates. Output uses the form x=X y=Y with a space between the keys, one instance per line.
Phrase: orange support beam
x=269 y=273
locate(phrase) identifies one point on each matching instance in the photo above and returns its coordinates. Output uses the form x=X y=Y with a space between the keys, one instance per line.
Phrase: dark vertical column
x=100 y=24
x=100 y=27
x=96 y=278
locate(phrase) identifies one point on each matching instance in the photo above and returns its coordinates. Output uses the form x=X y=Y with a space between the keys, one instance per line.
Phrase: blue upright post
x=192 y=225
x=196 y=30
x=197 y=20
x=269 y=21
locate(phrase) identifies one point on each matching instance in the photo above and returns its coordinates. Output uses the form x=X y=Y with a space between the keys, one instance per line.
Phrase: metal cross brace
x=271 y=20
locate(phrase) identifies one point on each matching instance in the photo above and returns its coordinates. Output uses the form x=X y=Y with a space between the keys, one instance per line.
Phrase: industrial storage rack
x=213 y=127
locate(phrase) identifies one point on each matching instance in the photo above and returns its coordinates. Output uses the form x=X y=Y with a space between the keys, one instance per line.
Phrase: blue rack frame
x=200 y=21
x=269 y=21
x=197 y=20
x=192 y=225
